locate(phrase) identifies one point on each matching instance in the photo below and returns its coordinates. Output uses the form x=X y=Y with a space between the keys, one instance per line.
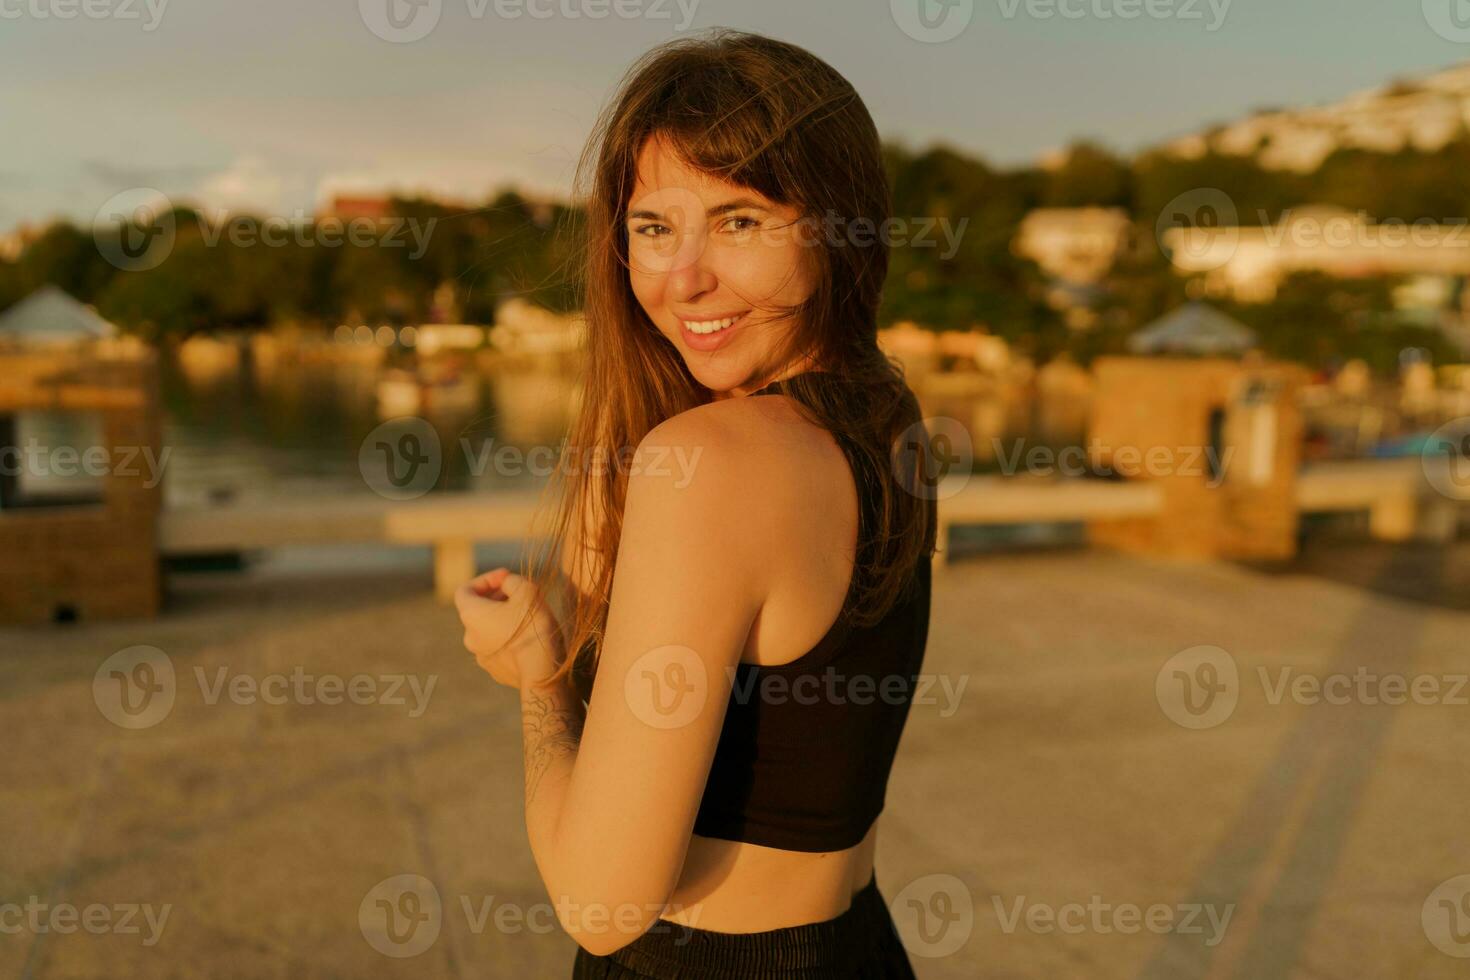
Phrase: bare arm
x=611 y=798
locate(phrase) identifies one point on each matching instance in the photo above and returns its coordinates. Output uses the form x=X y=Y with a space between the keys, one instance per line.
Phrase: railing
x=1393 y=491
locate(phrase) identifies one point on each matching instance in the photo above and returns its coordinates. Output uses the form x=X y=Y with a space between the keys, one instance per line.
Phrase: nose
x=691 y=276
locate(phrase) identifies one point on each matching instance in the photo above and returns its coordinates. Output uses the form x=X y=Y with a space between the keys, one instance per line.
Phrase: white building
x=1250 y=263
x=1075 y=245
x=1423 y=115
x=49 y=318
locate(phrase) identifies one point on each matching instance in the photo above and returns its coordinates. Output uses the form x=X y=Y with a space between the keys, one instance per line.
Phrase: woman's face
x=713 y=264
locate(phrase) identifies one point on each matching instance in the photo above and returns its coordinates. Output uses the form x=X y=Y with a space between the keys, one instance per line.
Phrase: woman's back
x=772 y=800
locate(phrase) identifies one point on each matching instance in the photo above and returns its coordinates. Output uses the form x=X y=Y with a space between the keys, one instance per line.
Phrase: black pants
x=860 y=944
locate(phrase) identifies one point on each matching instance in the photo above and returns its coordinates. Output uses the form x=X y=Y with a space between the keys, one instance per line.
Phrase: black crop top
x=804 y=755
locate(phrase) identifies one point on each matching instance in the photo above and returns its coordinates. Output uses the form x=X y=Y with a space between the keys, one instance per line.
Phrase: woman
x=748 y=572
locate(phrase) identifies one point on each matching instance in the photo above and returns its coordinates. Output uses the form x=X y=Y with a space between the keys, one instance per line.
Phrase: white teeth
x=709 y=326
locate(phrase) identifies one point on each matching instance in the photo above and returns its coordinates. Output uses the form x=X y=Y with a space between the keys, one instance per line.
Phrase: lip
x=711 y=341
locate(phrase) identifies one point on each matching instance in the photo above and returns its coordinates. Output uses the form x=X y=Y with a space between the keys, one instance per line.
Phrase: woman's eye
x=652 y=231
x=741 y=223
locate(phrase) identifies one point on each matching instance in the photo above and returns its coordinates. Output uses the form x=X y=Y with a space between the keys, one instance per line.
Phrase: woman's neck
x=803 y=367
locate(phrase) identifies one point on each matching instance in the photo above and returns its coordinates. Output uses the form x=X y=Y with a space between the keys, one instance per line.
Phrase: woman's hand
x=490 y=607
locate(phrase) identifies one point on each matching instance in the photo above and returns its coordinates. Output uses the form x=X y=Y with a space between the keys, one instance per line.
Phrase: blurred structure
x=1222 y=438
x=208 y=361
x=1249 y=264
x=93 y=555
x=1076 y=248
x=430 y=338
x=1194 y=328
x=522 y=327
x=51 y=319
x=1418 y=396
x=354 y=207
x=1073 y=245
x=1424 y=115
x=916 y=348
x=13 y=244
x=1064 y=391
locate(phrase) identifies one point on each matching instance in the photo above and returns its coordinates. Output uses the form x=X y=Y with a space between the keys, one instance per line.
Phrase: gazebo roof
x=1194 y=328
x=50 y=315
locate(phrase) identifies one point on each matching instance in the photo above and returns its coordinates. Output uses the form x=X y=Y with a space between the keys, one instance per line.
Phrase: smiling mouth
x=703 y=327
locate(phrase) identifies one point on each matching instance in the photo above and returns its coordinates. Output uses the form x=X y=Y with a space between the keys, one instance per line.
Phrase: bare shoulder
x=749 y=464
x=760 y=468
x=750 y=445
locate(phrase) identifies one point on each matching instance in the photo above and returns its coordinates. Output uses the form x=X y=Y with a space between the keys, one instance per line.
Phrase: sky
x=273 y=105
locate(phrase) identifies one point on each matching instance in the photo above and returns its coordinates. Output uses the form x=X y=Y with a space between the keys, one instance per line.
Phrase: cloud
x=248 y=184
x=118 y=177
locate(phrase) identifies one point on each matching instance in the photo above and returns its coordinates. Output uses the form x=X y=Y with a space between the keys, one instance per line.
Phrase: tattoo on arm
x=552 y=731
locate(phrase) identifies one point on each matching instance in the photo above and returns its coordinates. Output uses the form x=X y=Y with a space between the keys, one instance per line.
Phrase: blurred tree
x=954 y=267
x=66 y=257
x=1259 y=196
x=1317 y=320
x=951 y=265
x=1090 y=176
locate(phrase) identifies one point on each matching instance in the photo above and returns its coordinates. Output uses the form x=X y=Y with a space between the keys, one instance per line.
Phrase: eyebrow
x=737 y=204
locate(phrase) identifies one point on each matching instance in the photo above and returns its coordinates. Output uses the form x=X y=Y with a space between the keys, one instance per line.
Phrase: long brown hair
x=770 y=116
